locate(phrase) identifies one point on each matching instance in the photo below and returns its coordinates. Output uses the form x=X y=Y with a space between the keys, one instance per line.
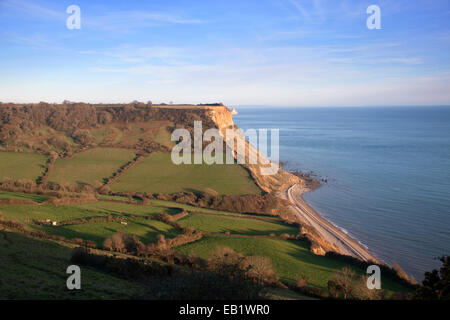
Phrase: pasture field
x=157 y=174
x=5 y=195
x=146 y=230
x=236 y=225
x=190 y=208
x=25 y=214
x=290 y=259
x=131 y=133
x=90 y=166
x=122 y=208
x=36 y=269
x=21 y=165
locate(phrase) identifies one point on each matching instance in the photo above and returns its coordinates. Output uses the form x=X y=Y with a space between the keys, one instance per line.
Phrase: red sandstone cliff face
x=223 y=118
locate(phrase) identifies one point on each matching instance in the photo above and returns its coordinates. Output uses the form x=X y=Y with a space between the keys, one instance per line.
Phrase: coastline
x=331 y=233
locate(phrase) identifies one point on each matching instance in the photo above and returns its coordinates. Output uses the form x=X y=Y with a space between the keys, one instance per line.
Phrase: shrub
x=122 y=242
x=342 y=283
x=360 y=291
x=436 y=285
x=259 y=269
x=302 y=282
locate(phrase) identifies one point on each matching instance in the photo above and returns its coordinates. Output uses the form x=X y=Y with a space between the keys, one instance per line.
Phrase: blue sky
x=264 y=52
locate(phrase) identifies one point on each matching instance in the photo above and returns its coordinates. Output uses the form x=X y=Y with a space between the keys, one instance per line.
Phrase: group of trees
x=345 y=284
x=74 y=120
x=436 y=285
x=265 y=204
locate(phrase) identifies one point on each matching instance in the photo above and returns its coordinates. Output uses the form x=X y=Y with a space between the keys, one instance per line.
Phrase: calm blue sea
x=388 y=170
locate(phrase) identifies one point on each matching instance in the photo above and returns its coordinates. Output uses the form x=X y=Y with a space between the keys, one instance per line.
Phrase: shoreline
x=346 y=244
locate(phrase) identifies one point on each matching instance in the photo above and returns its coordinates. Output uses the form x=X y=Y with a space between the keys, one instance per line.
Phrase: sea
x=387 y=171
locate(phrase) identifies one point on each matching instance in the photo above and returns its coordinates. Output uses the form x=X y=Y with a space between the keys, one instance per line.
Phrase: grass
x=244 y=226
x=25 y=214
x=290 y=259
x=157 y=174
x=22 y=196
x=90 y=166
x=190 y=208
x=36 y=269
x=122 y=208
x=21 y=165
x=146 y=230
x=131 y=133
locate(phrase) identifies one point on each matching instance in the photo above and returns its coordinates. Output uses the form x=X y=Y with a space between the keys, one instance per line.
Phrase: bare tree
x=342 y=283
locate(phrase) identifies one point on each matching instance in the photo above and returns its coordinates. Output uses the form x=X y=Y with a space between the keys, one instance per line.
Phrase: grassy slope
x=157 y=174
x=146 y=230
x=22 y=196
x=131 y=133
x=190 y=208
x=213 y=223
x=36 y=269
x=24 y=214
x=21 y=165
x=290 y=259
x=89 y=166
x=122 y=208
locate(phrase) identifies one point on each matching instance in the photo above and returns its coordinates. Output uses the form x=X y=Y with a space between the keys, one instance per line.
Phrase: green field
x=290 y=259
x=90 y=166
x=36 y=269
x=157 y=174
x=146 y=230
x=21 y=165
x=22 y=196
x=190 y=208
x=24 y=213
x=131 y=133
x=122 y=208
x=245 y=226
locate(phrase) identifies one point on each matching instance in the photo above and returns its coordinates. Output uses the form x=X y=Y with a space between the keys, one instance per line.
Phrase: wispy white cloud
x=133 y=53
x=305 y=14
x=32 y=9
x=126 y=21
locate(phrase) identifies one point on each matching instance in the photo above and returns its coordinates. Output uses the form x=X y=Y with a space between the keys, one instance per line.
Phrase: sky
x=262 y=52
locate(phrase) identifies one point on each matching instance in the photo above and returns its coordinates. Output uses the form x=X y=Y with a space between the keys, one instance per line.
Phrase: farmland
x=235 y=225
x=291 y=259
x=157 y=174
x=36 y=269
x=90 y=166
x=105 y=174
x=250 y=235
x=21 y=165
